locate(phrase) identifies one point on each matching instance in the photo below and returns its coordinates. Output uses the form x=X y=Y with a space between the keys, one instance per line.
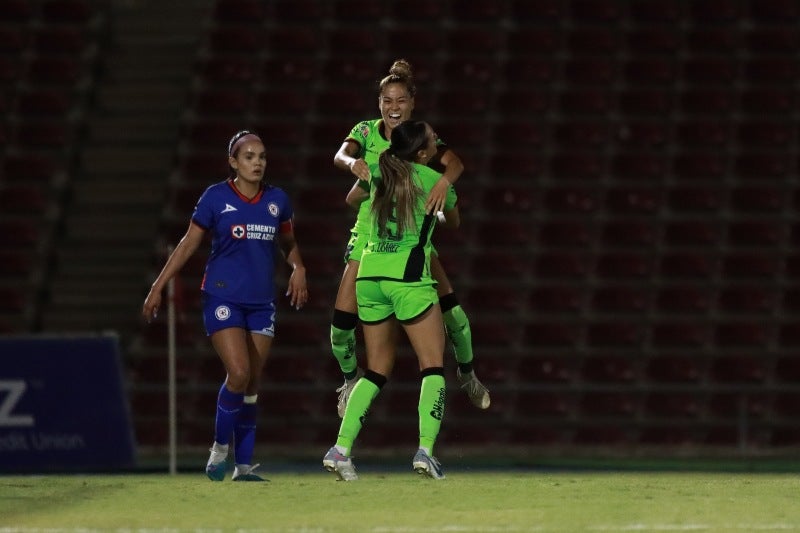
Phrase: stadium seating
x=628 y=200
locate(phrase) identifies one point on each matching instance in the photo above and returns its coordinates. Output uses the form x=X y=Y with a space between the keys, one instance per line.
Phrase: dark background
x=629 y=254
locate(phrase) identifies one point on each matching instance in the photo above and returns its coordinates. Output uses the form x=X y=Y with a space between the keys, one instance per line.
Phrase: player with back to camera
x=394 y=283
x=247 y=219
x=365 y=142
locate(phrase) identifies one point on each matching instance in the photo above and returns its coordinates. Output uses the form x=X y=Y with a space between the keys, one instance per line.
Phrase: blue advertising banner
x=62 y=405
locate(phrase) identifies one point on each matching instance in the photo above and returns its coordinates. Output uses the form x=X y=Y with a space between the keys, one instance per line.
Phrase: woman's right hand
x=151 y=305
x=360 y=169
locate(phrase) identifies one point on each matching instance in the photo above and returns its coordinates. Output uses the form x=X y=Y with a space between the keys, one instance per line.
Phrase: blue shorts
x=220 y=314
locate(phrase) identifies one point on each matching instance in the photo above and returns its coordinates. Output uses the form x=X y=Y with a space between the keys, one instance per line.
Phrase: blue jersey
x=241 y=265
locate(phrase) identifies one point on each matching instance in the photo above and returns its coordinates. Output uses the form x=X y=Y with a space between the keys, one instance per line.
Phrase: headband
x=247 y=137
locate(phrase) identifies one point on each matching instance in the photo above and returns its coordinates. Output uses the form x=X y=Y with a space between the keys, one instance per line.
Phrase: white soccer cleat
x=478 y=394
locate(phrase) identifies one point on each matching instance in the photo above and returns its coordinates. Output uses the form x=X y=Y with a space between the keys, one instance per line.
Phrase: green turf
x=400 y=501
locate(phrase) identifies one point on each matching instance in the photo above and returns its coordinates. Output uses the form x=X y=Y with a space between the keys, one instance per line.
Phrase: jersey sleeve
x=359 y=135
x=203 y=214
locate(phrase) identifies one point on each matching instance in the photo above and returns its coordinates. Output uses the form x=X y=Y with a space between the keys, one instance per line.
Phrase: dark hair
x=232 y=149
x=396 y=190
x=399 y=72
x=233 y=146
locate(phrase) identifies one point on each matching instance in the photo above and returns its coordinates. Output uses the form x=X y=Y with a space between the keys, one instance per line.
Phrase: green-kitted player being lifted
x=394 y=282
x=360 y=149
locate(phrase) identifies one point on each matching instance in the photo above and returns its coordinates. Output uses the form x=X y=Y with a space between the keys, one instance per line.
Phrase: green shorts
x=379 y=300
x=355 y=247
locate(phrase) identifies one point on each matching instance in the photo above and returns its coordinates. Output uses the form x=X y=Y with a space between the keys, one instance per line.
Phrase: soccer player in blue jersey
x=248 y=221
x=394 y=284
x=361 y=148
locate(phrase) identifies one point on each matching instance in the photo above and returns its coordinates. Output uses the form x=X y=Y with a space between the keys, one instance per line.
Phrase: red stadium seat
x=787 y=369
x=524 y=71
x=645 y=102
x=547 y=369
x=712 y=41
x=742 y=333
x=673 y=405
x=608 y=369
x=657 y=12
x=525 y=40
x=593 y=42
x=685 y=265
x=771 y=70
x=755 y=265
x=223 y=70
x=633 y=200
x=594 y=11
x=693 y=166
x=768 y=101
x=301 y=10
x=588 y=102
x=747 y=299
x=653 y=40
x=757 y=234
x=67 y=11
x=675 y=369
x=685 y=199
x=552 y=334
x=565 y=234
x=47 y=102
x=290 y=71
x=685 y=299
x=686 y=334
x=716 y=11
x=577 y=166
x=762 y=165
x=629 y=233
x=60 y=40
x=551 y=404
x=772 y=40
x=617 y=404
x=705 y=71
x=469 y=41
x=713 y=102
x=772 y=11
x=221 y=102
x=624 y=265
x=620 y=299
x=570 y=200
x=583 y=134
x=639 y=167
x=589 y=72
x=614 y=333
x=238 y=11
x=698 y=233
x=560 y=265
x=638 y=134
x=556 y=299
x=650 y=71
x=738 y=369
x=703 y=132
x=765 y=133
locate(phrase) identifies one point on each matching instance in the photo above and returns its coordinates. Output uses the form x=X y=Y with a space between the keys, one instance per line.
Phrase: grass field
x=397 y=500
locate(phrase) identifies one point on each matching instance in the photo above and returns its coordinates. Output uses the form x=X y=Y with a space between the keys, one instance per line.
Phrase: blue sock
x=228 y=406
x=244 y=432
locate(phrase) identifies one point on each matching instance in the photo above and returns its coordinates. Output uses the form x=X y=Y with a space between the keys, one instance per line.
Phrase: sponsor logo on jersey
x=272 y=207
x=438 y=406
x=222 y=312
x=238 y=231
x=228 y=209
x=364 y=130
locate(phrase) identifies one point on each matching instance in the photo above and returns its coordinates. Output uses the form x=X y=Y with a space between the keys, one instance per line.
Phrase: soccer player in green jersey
x=394 y=281
x=365 y=142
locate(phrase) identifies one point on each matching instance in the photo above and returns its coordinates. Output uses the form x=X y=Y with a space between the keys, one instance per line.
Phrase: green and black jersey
x=403 y=257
